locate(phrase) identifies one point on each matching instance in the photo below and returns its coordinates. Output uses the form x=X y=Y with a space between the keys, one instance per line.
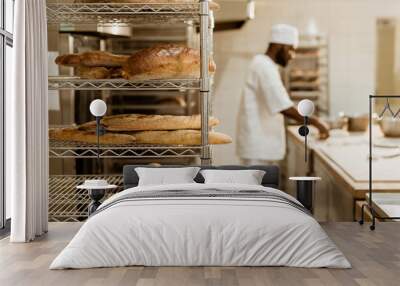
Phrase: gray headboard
x=271 y=177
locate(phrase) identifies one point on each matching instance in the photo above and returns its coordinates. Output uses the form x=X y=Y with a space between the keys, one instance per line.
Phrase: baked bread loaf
x=179 y=137
x=213 y=5
x=164 y=62
x=99 y=72
x=76 y=135
x=92 y=59
x=71 y=60
x=139 y=122
x=93 y=72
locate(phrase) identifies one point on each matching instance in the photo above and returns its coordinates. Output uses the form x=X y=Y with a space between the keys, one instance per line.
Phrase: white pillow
x=248 y=177
x=166 y=176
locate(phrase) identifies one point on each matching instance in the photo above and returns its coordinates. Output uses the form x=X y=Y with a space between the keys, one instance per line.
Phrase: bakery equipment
x=234 y=15
x=307 y=75
x=357 y=123
x=390 y=126
x=387 y=110
x=338 y=122
x=149 y=24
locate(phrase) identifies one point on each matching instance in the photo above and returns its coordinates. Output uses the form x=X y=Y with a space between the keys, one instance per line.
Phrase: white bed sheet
x=202 y=232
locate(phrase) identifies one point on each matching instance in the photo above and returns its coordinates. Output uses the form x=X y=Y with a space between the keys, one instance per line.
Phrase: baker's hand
x=323 y=129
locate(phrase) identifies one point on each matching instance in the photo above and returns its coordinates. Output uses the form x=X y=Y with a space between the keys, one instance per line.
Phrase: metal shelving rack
x=141 y=14
x=393 y=114
x=67 y=204
x=304 y=89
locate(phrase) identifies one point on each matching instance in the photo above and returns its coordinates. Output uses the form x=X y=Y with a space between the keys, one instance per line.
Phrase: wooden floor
x=375 y=257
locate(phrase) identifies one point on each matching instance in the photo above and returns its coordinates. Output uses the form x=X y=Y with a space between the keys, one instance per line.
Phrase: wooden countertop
x=346 y=156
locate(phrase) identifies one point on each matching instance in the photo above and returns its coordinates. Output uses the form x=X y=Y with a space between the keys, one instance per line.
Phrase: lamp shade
x=98 y=107
x=305 y=107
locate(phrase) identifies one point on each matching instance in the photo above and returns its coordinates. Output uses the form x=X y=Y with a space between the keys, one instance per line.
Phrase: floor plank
x=375 y=257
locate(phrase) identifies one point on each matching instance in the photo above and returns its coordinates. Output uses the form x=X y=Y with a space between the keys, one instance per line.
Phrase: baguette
x=92 y=59
x=213 y=5
x=73 y=134
x=166 y=61
x=179 y=137
x=140 y=122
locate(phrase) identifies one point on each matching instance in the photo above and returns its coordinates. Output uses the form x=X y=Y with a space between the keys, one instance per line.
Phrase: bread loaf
x=73 y=134
x=179 y=137
x=102 y=59
x=213 y=5
x=164 y=62
x=71 y=60
x=92 y=59
x=139 y=122
x=93 y=72
x=99 y=72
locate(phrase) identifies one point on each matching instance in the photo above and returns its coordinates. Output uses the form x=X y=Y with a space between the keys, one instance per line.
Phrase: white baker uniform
x=261 y=129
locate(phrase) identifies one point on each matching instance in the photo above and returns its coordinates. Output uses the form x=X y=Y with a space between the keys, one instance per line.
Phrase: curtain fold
x=27 y=124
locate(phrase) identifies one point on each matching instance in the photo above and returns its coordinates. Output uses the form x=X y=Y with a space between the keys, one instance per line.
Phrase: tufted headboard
x=270 y=179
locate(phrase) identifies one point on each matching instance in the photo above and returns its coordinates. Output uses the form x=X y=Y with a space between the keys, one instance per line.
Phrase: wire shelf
x=75 y=83
x=68 y=149
x=123 y=13
x=68 y=204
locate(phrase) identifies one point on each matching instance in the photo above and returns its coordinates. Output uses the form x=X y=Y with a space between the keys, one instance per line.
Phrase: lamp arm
x=100 y=130
x=305 y=139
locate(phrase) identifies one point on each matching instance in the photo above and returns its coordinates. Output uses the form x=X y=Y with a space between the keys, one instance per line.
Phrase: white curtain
x=27 y=124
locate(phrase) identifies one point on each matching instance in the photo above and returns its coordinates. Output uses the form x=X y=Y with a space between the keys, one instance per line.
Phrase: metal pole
x=98 y=122
x=204 y=80
x=370 y=154
x=305 y=139
x=211 y=26
x=372 y=226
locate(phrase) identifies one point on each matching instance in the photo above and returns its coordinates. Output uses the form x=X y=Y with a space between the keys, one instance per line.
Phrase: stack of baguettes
x=166 y=61
x=143 y=129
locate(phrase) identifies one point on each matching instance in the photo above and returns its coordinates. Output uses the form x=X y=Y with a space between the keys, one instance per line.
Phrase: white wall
x=351 y=29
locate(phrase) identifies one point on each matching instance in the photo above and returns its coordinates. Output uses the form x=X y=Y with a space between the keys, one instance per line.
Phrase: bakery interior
x=338 y=65
x=348 y=50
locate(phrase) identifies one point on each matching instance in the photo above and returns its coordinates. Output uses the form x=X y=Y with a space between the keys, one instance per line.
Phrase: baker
x=265 y=101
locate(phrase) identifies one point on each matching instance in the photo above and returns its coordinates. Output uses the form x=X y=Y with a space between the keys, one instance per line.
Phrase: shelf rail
x=68 y=149
x=205 y=27
x=76 y=83
x=122 y=13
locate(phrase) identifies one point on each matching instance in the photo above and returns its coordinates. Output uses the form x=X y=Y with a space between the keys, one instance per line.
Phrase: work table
x=342 y=163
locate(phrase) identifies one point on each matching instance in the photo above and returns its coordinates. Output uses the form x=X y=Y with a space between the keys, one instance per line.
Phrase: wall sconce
x=306 y=109
x=98 y=109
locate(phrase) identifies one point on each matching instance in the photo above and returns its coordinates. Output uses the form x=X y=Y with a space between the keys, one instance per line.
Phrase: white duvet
x=200 y=231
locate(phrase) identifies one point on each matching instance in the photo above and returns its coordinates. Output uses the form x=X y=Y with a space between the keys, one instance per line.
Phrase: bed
x=201 y=224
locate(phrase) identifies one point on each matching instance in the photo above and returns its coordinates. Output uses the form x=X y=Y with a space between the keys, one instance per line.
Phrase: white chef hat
x=284 y=34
